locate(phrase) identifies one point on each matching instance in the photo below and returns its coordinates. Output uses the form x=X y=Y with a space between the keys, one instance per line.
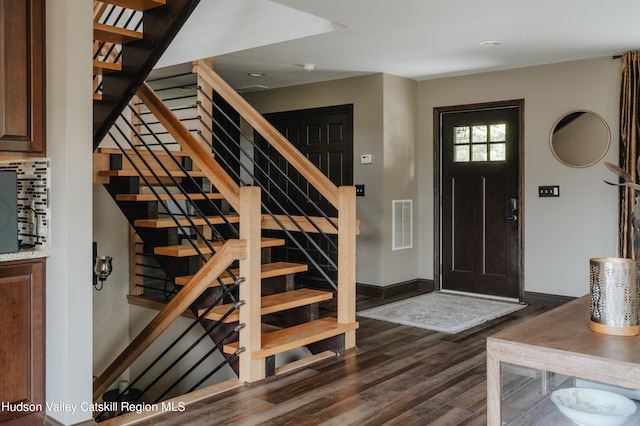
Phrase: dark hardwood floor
x=399 y=375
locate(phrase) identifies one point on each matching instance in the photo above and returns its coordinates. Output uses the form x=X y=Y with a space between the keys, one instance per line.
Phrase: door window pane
x=479 y=152
x=461 y=153
x=461 y=135
x=479 y=134
x=498 y=132
x=498 y=152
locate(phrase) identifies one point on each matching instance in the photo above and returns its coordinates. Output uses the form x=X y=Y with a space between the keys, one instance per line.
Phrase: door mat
x=448 y=313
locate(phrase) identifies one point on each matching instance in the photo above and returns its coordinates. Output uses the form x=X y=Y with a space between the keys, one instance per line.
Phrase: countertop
x=25 y=253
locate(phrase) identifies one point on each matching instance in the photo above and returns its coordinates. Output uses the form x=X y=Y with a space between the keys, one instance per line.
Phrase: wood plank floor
x=399 y=375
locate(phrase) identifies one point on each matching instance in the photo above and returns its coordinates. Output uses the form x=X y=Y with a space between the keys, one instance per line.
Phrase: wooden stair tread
x=139 y=5
x=97 y=96
x=101 y=67
x=117 y=35
x=185 y=250
x=296 y=336
x=147 y=173
x=273 y=303
x=170 y=223
x=165 y=197
x=267 y=270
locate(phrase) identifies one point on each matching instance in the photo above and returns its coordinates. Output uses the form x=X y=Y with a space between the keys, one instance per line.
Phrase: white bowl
x=593 y=407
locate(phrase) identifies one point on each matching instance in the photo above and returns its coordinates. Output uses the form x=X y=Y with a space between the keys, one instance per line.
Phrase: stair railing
x=231 y=251
x=248 y=206
x=303 y=225
x=342 y=199
x=123 y=133
x=135 y=395
x=140 y=137
x=213 y=171
x=301 y=163
x=212 y=131
x=156 y=178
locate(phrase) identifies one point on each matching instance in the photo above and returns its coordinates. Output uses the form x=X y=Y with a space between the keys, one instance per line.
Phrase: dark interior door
x=325 y=137
x=481 y=228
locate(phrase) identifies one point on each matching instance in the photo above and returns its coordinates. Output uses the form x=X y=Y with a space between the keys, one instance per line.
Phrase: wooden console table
x=560 y=341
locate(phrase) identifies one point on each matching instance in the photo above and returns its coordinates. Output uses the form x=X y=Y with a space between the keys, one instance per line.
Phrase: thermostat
x=365 y=159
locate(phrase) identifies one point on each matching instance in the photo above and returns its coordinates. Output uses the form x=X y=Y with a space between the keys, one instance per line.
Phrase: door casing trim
x=437 y=184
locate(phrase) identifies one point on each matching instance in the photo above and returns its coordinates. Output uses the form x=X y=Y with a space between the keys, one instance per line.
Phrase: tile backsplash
x=34 y=183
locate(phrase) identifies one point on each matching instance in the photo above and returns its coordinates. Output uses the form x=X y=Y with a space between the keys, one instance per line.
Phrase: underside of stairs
x=205 y=238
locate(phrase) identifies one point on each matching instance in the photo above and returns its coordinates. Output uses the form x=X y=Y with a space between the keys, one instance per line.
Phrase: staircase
x=201 y=220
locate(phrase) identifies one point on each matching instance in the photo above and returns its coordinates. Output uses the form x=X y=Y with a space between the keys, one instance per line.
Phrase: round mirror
x=580 y=138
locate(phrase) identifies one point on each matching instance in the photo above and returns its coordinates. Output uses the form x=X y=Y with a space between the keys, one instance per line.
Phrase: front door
x=480 y=226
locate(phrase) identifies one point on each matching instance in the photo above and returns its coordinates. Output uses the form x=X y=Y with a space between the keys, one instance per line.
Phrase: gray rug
x=448 y=313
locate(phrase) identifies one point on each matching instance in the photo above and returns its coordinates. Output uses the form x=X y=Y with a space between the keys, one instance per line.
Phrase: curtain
x=629 y=138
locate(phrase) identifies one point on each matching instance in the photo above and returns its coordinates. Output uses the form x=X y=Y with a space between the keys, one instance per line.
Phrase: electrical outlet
x=549 y=191
x=359 y=190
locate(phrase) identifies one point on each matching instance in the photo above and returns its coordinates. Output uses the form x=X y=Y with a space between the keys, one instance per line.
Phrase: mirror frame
x=600 y=155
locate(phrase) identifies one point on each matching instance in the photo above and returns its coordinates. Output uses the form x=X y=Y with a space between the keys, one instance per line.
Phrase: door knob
x=513 y=218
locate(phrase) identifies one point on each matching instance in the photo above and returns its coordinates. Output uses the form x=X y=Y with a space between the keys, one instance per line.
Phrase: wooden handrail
x=301 y=163
x=203 y=159
x=231 y=251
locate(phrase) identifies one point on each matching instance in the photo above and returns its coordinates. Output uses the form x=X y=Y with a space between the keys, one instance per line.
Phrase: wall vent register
x=402 y=220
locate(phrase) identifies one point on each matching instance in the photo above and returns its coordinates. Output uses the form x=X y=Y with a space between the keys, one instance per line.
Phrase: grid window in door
x=480 y=143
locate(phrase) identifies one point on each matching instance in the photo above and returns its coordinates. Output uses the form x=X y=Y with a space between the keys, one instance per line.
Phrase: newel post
x=347 y=260
x=250 y=290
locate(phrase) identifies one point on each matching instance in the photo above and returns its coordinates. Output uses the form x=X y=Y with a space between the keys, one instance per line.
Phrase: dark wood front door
x=325 y=137
x=480 y=230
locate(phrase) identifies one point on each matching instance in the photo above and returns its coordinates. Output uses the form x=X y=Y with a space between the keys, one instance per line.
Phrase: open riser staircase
x=208 y=211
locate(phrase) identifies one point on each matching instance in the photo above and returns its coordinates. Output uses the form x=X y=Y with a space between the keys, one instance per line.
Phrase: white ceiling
x=417 y=39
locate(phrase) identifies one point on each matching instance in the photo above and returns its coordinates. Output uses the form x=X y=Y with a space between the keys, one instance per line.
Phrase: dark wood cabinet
x=22 y=77
x=22 y=341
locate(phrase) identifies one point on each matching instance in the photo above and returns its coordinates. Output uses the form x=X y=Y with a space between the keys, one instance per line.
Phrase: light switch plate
x=549 y=191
